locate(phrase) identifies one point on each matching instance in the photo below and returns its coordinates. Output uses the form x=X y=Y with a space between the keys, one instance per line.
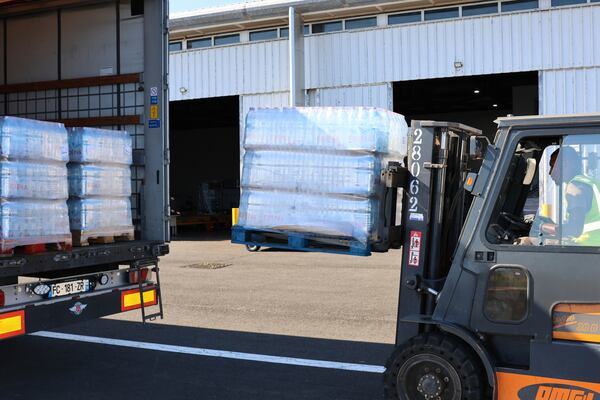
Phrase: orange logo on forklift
x=557 y=392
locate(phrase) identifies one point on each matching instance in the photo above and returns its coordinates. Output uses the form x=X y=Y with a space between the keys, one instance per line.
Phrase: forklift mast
x=433 y=211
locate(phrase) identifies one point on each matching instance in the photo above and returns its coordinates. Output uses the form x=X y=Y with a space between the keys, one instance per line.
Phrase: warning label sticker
x=153 y=112
x=414 y=249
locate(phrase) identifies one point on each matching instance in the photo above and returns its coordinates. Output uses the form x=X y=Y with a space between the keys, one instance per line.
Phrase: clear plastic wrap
x=30 y=180
x=308 y=172
x=33 y=183
x=317 y=170
x=100 y=216
x=27 y=222
x=327 y=129
x=92 y=145
x=27 y=139
x=87 y=180
x=308 y=213
x=99 y=183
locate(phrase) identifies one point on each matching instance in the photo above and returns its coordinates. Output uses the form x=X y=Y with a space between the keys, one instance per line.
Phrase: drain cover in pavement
x=206 y=265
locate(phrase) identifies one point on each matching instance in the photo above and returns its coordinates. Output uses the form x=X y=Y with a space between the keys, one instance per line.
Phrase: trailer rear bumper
x=52 y=314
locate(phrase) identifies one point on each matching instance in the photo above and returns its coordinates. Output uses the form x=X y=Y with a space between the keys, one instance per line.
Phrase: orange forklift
x=500 y=277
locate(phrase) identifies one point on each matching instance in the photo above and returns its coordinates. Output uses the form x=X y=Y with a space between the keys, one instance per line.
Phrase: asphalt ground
x=222 y=303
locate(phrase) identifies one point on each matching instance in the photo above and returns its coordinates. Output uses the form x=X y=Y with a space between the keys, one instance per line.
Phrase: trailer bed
x=118 y=253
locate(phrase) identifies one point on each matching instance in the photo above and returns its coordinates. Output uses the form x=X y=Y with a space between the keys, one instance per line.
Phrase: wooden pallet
x=81 y=239
x=298 y=241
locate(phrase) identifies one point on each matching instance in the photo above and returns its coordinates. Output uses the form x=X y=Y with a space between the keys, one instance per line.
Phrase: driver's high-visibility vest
x=591 y=228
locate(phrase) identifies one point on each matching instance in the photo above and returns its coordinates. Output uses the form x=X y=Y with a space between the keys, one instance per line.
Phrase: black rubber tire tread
x=459 y=355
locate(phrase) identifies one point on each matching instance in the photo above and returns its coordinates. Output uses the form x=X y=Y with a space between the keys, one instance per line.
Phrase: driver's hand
x=538 y=222
x=524 y=241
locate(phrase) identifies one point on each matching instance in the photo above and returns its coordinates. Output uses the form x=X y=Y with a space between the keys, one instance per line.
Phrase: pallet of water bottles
x=60 y=186
x=298 y=241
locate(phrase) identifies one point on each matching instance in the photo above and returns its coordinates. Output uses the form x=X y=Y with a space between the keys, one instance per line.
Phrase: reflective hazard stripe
x=592 y=226
x=597 y=196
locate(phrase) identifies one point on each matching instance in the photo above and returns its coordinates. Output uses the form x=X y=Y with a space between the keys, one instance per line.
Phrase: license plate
x=69 y=288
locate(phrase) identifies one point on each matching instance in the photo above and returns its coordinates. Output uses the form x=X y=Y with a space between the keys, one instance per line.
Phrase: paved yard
x=215 y=284
x=335 y=311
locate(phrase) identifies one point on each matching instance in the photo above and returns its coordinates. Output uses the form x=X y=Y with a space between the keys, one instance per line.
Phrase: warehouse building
x=451 y=60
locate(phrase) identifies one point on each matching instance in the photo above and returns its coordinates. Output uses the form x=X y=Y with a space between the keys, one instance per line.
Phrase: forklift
x=500 y=277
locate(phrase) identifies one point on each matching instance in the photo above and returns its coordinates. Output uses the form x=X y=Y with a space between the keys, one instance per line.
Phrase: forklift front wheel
x=252 y=247
x=433 y=366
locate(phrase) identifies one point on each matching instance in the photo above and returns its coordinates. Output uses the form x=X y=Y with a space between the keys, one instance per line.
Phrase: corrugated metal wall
x=536 y=40
x=280 y=99
x=570 y=91
x=249 y=68
x=371 y=95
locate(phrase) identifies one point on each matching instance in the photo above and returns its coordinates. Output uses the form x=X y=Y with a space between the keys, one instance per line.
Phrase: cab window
x=550 y=194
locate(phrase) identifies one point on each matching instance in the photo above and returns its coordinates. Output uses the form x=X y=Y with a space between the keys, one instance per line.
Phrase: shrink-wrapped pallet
x=100 y=185
x=106 y=180
x=28 y=139
x=28 y=222
x=101 y=216
x=33 y=180
x=33 y=183
x=317 y=170
x=102 y=146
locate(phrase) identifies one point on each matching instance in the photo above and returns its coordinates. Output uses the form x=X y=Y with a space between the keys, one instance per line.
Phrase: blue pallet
x=298 y=241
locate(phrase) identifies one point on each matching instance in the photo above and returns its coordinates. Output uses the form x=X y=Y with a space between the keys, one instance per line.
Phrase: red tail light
x=1 y=298
x=138 y=276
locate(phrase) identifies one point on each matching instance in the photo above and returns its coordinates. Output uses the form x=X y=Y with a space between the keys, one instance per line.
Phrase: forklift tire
x=434 y=366
x=252 y=247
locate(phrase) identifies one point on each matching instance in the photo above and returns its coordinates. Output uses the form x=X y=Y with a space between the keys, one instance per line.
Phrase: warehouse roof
x=265 y=13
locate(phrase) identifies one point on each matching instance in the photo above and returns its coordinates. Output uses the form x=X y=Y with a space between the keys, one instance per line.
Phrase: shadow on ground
x=36 y=367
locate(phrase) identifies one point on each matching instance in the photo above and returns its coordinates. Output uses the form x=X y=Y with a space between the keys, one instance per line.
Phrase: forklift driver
x=582 y=194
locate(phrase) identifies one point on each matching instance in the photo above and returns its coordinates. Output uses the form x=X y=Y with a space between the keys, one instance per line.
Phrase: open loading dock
x=475 y=100
x=205 y=163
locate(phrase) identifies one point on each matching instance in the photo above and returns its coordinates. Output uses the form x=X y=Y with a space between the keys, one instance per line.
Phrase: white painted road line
x=302 y=362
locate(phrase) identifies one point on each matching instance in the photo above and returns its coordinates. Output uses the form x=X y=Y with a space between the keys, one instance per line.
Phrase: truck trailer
x=90 y=64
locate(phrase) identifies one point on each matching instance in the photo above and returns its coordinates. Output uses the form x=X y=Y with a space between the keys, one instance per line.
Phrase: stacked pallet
x=33 y=185
x=314 y=174
x=100 y=185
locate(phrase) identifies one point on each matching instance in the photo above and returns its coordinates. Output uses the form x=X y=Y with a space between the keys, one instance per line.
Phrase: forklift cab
x=500 y=286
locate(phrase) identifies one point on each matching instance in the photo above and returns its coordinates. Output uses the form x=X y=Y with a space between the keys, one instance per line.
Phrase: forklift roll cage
x=447 y=260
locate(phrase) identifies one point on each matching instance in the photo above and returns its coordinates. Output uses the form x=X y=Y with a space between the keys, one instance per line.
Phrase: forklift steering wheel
x=515 y=221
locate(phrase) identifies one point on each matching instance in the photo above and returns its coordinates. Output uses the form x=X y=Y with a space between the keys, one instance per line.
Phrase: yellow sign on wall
x=154 y=112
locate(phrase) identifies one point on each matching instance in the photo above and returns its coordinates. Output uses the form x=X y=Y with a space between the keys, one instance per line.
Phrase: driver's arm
x=579 y=201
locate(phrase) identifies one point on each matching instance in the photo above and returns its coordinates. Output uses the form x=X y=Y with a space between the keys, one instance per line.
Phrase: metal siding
x=368 y=96
x=570 y=91
x=546 y=39
x=542 y=39
x=230 y=70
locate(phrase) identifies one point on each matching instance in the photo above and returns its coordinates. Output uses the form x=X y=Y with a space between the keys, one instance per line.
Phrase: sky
x=186 y=5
